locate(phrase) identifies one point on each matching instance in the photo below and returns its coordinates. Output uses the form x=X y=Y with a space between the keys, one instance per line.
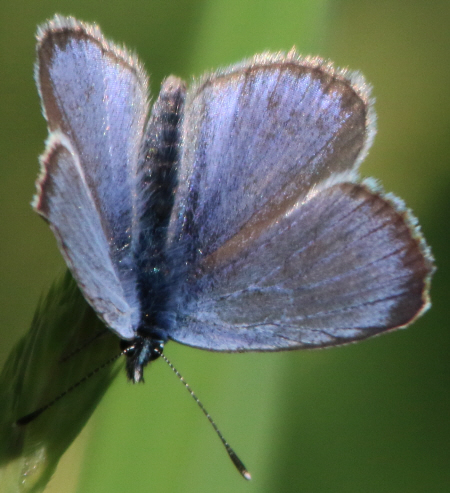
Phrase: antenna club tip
x=246 y=475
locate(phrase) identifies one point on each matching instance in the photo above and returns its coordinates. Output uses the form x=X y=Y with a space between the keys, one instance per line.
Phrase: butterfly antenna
x=232 y=454
x=85 y=344
x=31 y=416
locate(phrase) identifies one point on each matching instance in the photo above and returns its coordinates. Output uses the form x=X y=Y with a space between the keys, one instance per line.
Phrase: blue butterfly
x=232 y=216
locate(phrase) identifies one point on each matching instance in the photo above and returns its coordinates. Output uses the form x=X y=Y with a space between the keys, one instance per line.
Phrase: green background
x=371 y=417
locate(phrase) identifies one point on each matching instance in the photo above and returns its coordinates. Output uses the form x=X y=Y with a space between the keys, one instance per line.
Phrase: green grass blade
x=34 y=374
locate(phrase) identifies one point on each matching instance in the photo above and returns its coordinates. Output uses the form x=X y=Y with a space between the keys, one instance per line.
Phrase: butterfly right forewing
x=260 y=134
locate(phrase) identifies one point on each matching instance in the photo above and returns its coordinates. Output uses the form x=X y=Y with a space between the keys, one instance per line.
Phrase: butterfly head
x=145 y=347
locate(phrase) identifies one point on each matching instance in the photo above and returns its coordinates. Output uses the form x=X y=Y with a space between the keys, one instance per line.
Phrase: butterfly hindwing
x=65 y=202
x=344 y=264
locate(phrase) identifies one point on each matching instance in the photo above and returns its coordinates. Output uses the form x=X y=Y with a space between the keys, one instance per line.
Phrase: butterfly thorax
x=158 y=179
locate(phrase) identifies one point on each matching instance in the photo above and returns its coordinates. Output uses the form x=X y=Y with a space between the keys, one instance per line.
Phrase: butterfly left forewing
x=256 y=138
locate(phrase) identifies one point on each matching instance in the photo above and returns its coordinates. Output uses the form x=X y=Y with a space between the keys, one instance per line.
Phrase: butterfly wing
x=343 y=265
x=258 y=136
x=271 y=248
x=94 y=94
x=66 y=203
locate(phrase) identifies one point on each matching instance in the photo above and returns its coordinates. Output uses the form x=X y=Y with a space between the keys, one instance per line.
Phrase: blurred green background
x=370 y=417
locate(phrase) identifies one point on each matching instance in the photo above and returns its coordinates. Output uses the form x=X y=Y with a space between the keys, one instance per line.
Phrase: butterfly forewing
x=96 y=94
x=259 y=135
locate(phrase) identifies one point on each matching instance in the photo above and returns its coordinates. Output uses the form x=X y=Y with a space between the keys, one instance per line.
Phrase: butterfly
x=230 y=216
